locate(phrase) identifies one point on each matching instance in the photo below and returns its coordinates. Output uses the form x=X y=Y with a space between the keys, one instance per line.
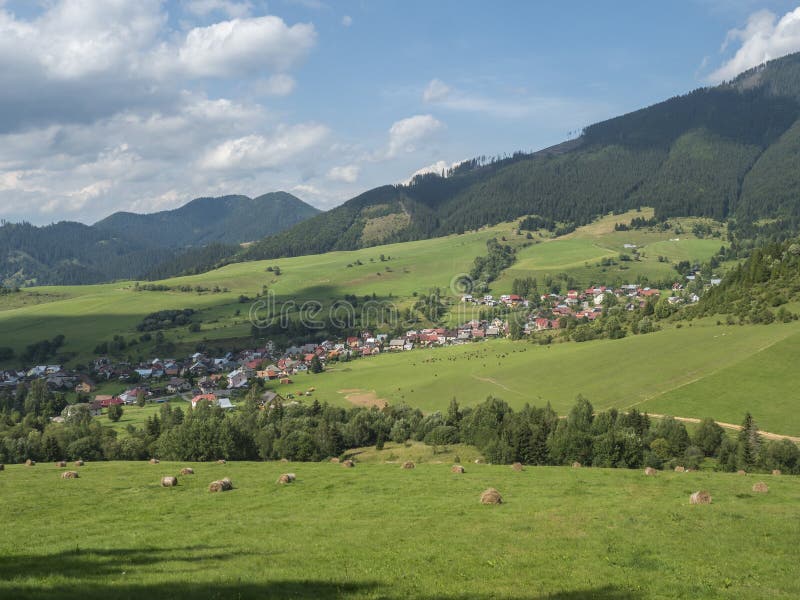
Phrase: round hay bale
x=30 y=463
x=284 y=460
x=169 y=481
x=154 y=461
x=69 y=475
x=78 y=463
x=334 y=460
x=491 y=496
x=576 y=465
x=741 y=472
x=680 y=469
x=61 y=464
x=221 y=461
x=284 y=479
x=221 y=485
x=776 y=471
x=457 y=469
x=761 y=487
x=348 y=464
x=291 y=476
x=701 y=497
x=650 y=471
x=408 y=465
x=517 y=466
x=187 y=471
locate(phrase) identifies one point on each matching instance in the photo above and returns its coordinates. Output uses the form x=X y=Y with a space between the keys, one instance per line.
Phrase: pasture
x=702 y=370
x=88 y=315
x=380 y=532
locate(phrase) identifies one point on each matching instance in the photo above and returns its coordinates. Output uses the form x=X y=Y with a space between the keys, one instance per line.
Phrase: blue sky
x=142 y=105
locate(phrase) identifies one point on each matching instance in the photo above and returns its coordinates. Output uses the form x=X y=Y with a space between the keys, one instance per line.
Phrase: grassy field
x=698 y=371
x=379 y=532
x=87 y=315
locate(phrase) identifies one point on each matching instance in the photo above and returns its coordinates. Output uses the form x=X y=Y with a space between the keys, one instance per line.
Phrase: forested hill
x=194 y=237
x=730 y=151
x=228 y=219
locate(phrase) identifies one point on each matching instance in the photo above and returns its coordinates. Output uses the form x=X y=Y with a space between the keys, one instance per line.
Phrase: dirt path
x=766 y=434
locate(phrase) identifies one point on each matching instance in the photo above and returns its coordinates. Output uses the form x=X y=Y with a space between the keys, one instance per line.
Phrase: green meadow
x=87 y=315
x=380 y=532
x=699 y=370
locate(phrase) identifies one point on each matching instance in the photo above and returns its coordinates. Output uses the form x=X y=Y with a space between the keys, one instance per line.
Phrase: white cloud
x=280 y=84
x=439 y=167
x=347 y=20
x=243 y=46
x=406 y=134
x=436 y=91
x=259 y=151
x=346 y=173
x=763 y=38
x=230 y=8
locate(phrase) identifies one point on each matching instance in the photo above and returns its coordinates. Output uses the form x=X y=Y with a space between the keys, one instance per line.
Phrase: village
x=217 y=380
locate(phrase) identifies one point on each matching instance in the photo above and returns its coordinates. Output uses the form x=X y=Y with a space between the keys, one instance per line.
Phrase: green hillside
x=87 y=315
x=722 y=152
x=378 y=531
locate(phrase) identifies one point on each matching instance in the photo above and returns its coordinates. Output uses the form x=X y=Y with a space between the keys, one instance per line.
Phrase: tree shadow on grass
x=99 y=574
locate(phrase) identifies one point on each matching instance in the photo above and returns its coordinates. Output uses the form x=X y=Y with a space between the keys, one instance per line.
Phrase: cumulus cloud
x=406 y=134
x=436 y=91
x=347 y=20
x=259 y=151
x=345 y=173
x=280 y=84
x=763 y=38
x=439 y=167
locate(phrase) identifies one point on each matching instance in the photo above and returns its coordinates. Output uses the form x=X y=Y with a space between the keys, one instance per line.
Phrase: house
x=94 y=409
x=210 y=398
x=396 y=344
x=237 y=379
x=84 y=387
x=177 y=385
x=106 y=400
x=225 y=403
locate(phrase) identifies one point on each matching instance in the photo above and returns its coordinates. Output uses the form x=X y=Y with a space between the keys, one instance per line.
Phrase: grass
x=88 y=315
x=698 y=371
x=378 y=531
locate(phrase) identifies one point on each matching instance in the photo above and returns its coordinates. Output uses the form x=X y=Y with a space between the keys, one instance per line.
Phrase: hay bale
x=761 y=487
x=221 y=461
x=576 y=465
x=284 y=479
x=78 y=463
x=478 y=461
x=517 y=466
x=334 y=460
x=61 y=464
x=457 y=469
x=169 y=481
x=291 y=476
x=284 y=460
x=349 y=464
x=187 y=471
x=650 y=471
x=221 y=485
x=30 y=463
x=408 y=465
x=491 y=496
x=741 y=472
x=154 y=461
x=701 y=497
x=776 y=471
x=680 y=469
x=69 y=475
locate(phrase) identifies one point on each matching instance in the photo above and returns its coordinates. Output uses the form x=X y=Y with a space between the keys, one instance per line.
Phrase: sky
x=142 y=105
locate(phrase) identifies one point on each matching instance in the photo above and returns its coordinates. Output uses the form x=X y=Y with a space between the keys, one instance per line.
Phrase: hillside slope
x=728 y=151
x=227 y=219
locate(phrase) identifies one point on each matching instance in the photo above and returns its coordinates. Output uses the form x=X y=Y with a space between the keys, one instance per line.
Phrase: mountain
x=227 y=220
x=192 y=238
x=727 y=152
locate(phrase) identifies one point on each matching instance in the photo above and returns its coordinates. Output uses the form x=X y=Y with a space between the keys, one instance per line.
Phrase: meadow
x=380 y=532
x=88 y=315
x=699 y=370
